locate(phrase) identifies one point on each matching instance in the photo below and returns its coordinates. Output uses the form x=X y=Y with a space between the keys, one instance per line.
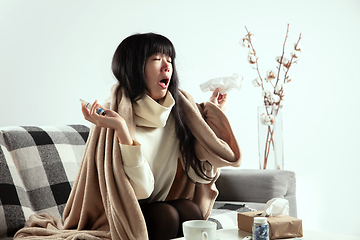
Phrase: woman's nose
x=166 y=66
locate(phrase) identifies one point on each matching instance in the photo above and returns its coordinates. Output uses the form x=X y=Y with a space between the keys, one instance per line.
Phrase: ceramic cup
x=199 y=230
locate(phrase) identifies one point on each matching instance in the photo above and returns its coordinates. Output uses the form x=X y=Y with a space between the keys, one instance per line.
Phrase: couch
x=39 y=164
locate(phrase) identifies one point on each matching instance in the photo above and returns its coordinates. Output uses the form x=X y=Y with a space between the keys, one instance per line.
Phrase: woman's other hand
x=219 y=99
x=111 y=120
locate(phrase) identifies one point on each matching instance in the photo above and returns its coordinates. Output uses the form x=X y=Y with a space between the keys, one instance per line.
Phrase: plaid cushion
x=38 y=167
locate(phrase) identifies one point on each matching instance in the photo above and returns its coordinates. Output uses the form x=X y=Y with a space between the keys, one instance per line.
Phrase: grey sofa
x=38 y=167
x=255 y=187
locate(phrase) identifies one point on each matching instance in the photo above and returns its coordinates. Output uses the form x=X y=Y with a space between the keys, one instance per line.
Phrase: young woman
x=151 y=162
x=144 y=65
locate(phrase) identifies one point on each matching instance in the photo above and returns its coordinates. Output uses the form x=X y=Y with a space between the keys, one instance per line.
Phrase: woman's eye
x=159 y=59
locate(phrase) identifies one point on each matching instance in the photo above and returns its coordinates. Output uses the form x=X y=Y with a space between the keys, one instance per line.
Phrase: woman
x=151 y=162
x=149 y=77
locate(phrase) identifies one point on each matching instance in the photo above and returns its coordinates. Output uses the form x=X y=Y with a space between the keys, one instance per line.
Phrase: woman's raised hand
x=219 y=99
x=111 y=120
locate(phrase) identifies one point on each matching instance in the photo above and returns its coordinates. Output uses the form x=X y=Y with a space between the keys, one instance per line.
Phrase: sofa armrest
x=252 y=185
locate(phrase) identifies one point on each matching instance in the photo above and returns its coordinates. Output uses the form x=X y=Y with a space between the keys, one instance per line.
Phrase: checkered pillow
x=38 y=166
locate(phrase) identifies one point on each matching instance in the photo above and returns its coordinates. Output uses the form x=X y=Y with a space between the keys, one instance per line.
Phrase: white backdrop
x=54 y=52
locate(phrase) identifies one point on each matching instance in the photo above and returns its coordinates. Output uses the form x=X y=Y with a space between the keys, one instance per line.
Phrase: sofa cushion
x=38 y=166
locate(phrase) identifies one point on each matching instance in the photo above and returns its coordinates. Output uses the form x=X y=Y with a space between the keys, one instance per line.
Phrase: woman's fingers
x=93 y=108
x=222 y=101
x=91 y=114
x=86 y=113
x=214 y=96
x=219 y=99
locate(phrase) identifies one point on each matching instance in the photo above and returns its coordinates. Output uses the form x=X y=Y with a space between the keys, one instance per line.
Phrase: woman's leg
x=164 y=219
x=187 y=210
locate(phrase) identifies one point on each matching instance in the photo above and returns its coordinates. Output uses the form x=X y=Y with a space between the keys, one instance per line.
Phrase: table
x=235 y=234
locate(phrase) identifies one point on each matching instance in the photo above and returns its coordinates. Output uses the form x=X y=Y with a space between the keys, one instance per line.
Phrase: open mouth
x=164 y=83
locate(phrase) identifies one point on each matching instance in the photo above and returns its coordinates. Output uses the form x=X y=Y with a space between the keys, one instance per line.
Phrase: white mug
x=199 y=230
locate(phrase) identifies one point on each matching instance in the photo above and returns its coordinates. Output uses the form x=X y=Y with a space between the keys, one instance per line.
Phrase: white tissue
x=225 y=84
x=276 y=207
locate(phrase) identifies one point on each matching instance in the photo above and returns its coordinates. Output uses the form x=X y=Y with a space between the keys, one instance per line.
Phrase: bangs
x=160 y=44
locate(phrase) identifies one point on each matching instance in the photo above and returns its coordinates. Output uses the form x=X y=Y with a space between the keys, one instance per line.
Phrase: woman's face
x=158 y=72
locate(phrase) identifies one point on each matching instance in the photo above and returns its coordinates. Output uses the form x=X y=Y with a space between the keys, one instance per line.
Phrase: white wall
x=54 y=52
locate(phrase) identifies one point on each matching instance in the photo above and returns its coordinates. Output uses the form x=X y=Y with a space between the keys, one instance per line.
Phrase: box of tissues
x=280 y=224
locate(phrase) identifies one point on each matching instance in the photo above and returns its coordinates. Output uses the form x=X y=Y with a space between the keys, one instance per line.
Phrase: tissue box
x=280 y=226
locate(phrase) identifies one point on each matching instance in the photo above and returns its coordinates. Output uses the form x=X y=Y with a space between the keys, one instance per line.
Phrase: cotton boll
x=279 y=87
x=271 y=74
x=285 y=60
x=256 y=82
x=250 y=36
x=295 y=54
x=245 y=42
x=251 y=59
x=266 y=93
x=275 y=98
x=266 y=119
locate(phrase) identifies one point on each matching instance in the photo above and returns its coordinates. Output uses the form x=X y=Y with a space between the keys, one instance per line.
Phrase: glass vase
x=271 y=151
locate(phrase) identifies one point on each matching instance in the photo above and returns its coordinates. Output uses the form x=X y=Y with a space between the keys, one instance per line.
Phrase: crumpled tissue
x=276 y=207
x=225 y=84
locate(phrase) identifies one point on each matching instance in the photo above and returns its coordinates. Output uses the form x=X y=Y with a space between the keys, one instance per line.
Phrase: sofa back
x=259 y=186
x=38 y=167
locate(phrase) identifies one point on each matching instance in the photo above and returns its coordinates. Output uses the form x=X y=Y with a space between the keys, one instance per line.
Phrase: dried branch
x=275 y=97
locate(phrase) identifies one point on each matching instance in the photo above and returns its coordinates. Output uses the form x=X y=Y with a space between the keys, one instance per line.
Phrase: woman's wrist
x=123 y=134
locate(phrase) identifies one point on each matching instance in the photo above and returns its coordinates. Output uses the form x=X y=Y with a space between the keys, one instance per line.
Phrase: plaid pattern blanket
x=38 y=166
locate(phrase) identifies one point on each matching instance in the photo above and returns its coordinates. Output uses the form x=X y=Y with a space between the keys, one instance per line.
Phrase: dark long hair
x=128 y=66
